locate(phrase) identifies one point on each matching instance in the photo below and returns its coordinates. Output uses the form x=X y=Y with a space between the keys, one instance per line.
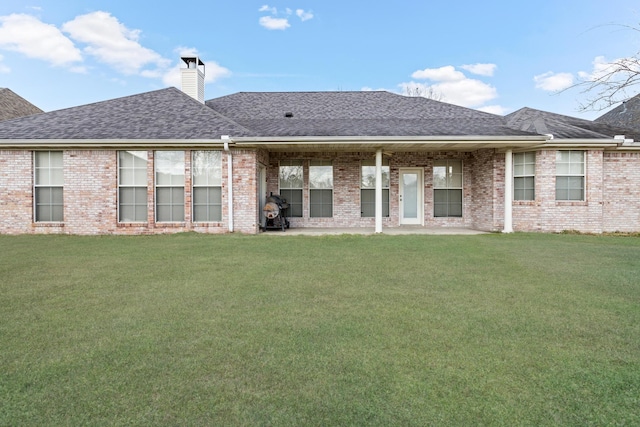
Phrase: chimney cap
x=192 y=59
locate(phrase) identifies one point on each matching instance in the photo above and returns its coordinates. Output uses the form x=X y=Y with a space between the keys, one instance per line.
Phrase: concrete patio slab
x=321 y=231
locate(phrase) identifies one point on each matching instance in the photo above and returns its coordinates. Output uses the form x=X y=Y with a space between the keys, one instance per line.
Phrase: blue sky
x=495 y=56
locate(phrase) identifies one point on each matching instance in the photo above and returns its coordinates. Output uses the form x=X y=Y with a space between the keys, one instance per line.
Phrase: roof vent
x=288 y=114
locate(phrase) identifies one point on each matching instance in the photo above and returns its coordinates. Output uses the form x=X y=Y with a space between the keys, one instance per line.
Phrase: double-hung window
x=169 y=166
x=447 y=188
x=524 y=172
x=132 y=186
x=570 y=175
x=48 y=186
x=291 y=184
x=206 y=167
x=320 y=189
x=368 y=186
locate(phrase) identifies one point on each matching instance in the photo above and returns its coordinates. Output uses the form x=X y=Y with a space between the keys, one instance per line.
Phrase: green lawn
x=188 y=329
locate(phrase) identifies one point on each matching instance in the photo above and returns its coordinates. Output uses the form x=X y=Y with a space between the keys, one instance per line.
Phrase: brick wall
x=545 y=213
x=621 y=209
x=478 y=208
x=612 y=200
x=16 y=186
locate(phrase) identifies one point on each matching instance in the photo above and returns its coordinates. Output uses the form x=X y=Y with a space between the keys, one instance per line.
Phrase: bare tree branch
x=610 y=82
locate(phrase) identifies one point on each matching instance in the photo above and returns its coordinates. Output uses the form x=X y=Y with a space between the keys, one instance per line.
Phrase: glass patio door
x=411 y=192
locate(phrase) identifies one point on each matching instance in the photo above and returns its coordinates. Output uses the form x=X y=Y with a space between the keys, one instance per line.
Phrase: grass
x=188 y=329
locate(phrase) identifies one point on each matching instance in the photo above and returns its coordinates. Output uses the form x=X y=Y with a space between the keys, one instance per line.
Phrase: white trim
x=420 y=195
x=508 y=192
x=378 y=213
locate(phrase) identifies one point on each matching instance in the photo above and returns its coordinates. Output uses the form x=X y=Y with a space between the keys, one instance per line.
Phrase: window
x=320 y=189
x=447 y=188
x=570 y=175
x=524 y=171
x=368 y=185
x=48 y=188
x=132 y=186
x=291 y=184
x=207 y=186
x=169 y=186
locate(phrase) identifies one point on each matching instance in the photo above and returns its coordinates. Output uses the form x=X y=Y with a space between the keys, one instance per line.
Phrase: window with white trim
x=447 y=188
x=169 y=167
x=291 y=183
x=524 y=175
x=320 y=189
x=48 y=186
x=570 y=175
x=132 y=186
x=206 y=167
x=368 y=188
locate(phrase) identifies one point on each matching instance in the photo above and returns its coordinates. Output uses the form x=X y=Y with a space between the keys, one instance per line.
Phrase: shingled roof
x=169 y=114
x=561 y=126
x=625 y=115
x=162 y=114
x=374 y=113
x=13 y=105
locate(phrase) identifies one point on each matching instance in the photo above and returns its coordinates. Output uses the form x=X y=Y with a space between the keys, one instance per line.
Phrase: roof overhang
x=333 y=144
x=113 y=144
x=388 y=143
x=609 y=144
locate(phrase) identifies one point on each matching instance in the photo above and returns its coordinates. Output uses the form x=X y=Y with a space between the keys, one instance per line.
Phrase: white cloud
x=553 y=82
x=451 y=85
x=443 y=74
x=494 y=109
x=35 y=39
x=271 y=23
x=274 y=22
x=111 y=42
x=267 y=8
x=480 y=69
x=304 y=16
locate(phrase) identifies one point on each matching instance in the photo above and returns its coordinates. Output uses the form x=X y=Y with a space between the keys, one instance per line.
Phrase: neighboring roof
x=363 y=113
x=625 y=115
x=162 y=114
x=560 y=126
x=13 y=105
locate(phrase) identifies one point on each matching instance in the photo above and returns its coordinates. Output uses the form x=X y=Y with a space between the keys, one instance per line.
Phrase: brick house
x=167 y=161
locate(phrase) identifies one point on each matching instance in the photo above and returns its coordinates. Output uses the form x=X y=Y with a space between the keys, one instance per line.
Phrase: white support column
x=379 y=191
x=508 y=192
x=226 y=140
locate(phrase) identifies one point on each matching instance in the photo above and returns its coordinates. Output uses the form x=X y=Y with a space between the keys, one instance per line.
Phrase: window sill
x=48 y=224
x=571 y=203
x=132 y=224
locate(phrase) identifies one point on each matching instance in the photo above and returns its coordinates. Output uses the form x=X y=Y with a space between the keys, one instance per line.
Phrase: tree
x=423 y=91
x=610 y=82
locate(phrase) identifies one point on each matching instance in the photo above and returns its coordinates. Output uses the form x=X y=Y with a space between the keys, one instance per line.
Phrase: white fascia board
x=318 y=140
x=108 y=143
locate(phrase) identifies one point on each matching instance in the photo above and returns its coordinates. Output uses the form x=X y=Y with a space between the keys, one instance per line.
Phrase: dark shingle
x=375 y=113
x=561 y=126
x=13 y=105
x=626 y=115
x=161 y=114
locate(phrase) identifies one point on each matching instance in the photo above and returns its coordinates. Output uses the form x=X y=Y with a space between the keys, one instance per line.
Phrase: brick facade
x=612 y=195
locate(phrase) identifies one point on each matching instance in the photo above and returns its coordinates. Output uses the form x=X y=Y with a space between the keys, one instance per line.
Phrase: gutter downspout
x=379 y=190
x=508 y=191
x=226 y=140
